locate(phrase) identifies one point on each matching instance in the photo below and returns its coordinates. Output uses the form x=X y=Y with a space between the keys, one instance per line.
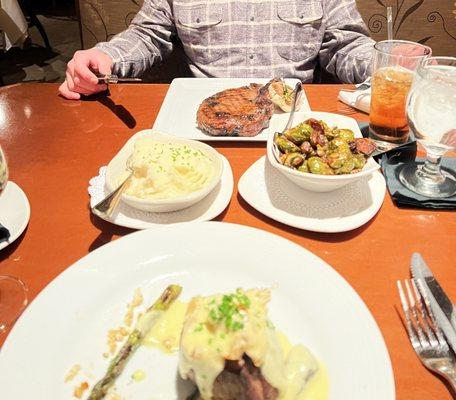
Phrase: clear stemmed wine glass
x=431 y=113
x=13 y=292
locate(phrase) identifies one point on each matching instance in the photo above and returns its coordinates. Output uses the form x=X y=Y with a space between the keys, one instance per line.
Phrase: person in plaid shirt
x=233 y=38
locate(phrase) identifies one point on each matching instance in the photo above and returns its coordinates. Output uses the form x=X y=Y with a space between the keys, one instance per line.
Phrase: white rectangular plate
x=177 y=115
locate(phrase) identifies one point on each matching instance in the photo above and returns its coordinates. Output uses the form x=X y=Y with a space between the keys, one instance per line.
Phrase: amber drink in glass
x=393 y=65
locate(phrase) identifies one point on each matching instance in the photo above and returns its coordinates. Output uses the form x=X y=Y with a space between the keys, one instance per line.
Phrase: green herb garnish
x=229 y=310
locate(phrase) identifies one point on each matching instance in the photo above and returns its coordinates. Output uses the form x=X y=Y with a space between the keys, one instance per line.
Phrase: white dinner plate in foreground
x=67 y=323
x=186 y=94
x=14 y=211
x=205 y=210
x=272 y=194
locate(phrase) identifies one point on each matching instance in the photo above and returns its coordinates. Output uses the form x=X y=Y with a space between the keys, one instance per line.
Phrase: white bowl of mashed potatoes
x=168 y=173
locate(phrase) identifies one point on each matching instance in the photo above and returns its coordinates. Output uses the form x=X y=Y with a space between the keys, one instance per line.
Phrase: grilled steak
x=241 y=381
x=243 y=111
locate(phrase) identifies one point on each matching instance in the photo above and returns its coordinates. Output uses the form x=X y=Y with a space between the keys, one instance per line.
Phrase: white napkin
x=359 y=99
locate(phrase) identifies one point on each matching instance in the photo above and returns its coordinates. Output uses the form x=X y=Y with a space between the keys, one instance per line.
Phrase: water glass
x=431 y=113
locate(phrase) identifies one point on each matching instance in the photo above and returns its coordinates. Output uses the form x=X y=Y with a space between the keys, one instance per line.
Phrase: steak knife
x=116 y=79
x=441 y=306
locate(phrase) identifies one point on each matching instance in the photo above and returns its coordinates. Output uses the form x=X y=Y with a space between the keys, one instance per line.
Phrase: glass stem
x=431 y=168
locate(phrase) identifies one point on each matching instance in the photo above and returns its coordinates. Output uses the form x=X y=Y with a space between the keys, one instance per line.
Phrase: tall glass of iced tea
x=394 y=63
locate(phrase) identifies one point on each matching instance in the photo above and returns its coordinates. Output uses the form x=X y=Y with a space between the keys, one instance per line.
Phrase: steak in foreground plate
x=241 y=380
x=243 y=111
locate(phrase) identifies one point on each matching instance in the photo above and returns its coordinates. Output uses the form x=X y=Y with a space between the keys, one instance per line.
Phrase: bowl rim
x=197 y=195
x=307 y=175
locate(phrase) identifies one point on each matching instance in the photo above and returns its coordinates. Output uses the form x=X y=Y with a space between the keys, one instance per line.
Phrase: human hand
x=410 y=54
x=80 y=74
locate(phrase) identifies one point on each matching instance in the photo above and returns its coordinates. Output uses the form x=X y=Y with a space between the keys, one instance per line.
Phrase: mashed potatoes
x=163 y=170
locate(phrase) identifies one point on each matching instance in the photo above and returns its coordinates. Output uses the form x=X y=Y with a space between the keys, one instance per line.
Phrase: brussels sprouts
x=347 y=166
x=316 y=165
x=360 y=161
x=293 y=160
x=339 y=145
x=337 y=158
x=345 y=134
x=304 y=167
x=285 y=146
x=299 y=133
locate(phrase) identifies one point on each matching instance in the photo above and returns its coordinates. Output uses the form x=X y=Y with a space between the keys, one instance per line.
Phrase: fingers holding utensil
x=82 y=71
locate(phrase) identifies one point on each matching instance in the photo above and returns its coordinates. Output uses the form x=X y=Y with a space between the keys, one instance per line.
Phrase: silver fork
x=425 y=335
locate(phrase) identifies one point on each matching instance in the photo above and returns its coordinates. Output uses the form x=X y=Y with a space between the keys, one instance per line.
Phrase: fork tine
x=426 y=322
x=427 y=305
x=408 y=322
x=415 y=318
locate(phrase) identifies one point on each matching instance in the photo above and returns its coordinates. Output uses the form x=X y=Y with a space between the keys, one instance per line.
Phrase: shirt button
x=252 y=19
x=251 y=56
x=198 y=20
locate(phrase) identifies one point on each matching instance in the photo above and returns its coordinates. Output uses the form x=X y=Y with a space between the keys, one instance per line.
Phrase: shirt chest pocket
x=298 y=29
x=199 y=29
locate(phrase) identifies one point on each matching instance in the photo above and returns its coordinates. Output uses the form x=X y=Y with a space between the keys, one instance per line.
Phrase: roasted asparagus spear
x=143 y=326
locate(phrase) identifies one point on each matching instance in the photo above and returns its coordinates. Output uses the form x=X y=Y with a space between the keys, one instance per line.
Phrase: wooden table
x=55 y=146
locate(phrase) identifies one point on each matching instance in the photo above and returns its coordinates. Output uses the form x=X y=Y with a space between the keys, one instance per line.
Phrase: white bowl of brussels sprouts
x=322 y=152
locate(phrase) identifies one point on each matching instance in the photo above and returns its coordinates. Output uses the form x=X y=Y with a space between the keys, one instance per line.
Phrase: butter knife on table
x=441 y=306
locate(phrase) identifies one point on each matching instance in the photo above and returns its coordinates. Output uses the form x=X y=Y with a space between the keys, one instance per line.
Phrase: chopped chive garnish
x=230 y=310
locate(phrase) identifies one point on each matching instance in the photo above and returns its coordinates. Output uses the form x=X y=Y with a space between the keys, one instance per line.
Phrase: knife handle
x=111 y=78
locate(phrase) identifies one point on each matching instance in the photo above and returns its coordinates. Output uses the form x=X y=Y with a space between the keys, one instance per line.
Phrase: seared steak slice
x=243 y=111
x=241 y=380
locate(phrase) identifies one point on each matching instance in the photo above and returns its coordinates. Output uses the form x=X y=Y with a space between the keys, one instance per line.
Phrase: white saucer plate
x=205 y=210
x=14 y=211
x=345 y=209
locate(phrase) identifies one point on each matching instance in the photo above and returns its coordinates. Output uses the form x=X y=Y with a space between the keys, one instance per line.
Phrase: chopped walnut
x=118 y=335
x=128 y=319
x=136 y=302
x=79 y=390
x=115 y=336
x=72 y=373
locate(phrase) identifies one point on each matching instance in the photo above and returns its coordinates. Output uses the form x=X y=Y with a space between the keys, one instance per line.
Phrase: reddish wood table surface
x=55 y=146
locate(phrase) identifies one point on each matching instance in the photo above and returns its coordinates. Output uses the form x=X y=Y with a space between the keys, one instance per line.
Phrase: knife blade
x=441 y=306
x=116 y=79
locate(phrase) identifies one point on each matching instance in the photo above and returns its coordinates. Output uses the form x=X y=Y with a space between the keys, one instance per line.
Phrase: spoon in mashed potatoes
x=106 y=207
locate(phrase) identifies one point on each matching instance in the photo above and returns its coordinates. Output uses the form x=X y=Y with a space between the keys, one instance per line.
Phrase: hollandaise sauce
x=210 y=330
x=166 y=332
x=307 y=379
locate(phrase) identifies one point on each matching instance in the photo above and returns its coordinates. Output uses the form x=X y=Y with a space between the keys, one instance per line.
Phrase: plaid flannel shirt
x=247 y=38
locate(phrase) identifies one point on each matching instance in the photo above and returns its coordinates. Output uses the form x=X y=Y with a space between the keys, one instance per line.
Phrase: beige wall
x=432 y=22
x=102 y=19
